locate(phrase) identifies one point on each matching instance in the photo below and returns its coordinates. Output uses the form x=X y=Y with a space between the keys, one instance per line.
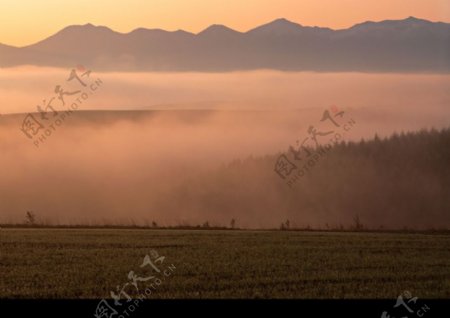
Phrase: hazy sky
x=24 y=22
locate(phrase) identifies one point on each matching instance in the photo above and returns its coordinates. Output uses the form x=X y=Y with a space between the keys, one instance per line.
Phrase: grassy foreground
x=90 y=263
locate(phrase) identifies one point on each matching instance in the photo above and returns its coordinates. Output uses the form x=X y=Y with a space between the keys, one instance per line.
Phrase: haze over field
x=125 y=166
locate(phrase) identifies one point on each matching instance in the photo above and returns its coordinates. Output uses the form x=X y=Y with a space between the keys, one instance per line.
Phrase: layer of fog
x=122 y=168
x=22 y=88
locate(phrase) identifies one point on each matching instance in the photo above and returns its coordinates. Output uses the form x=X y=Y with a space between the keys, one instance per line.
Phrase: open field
x=90 y=263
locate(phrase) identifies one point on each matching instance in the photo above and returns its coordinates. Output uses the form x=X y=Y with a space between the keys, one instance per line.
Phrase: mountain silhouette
x=407 y=45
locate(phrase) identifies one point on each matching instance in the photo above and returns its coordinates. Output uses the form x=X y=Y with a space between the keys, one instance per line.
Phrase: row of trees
x=395 y=182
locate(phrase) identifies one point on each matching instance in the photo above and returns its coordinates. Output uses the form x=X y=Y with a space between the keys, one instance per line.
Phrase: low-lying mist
x=126 y=167
x=22 y=88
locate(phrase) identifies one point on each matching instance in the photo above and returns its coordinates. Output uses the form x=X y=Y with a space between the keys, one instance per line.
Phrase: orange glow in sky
x=24 y=22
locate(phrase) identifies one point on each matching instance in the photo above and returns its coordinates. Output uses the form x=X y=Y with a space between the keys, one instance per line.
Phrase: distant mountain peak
x=180 y=31
x=283 y=22
x=277 y=27
x=73 y=33
x=217 y=29
x=88 y=27
x=144 y=32
x=409 y=21
x=416 y=21
x=411 y=18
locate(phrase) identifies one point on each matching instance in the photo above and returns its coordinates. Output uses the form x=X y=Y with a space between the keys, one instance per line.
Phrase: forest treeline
x=398 y=182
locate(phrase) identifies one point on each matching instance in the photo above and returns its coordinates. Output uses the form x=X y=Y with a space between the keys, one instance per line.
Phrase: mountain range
x=408 y=45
